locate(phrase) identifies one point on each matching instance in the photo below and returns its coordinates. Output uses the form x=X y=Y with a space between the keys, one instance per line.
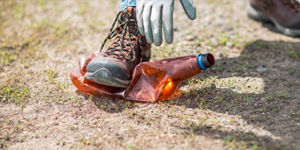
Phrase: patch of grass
x=294 y=54
x=246 y=56
x=6 y=121
x=51 y=74
x=229 y=138
x=82 y=9
x=260 y=45
x=59 y=28
x=291 y=71
x=269 y=97
x=2 y=144
x=248 y=99
x=36 y=134
x=61 y=99
x=84 y=141
x=230 y=81
x=7 y=136
x=263 y=108
x=18 y=127
x=130 y=145
x=6 y=58
x=234 y=143
x=283 y=96
x=62 y=85
x=231 y=142
x=202 y=104
x=223 y=40
x=63 y=142
x=254 y=146
x=248 y=65
x=14 y=94
x=18 y=12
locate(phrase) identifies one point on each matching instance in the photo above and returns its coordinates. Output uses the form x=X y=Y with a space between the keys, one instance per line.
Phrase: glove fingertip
x=191 y=13
x=149 y=39
x=158 y=43
x=169 y=40
x=192 y=16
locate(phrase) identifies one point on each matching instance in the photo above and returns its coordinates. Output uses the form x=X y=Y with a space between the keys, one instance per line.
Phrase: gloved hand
x=153 y=14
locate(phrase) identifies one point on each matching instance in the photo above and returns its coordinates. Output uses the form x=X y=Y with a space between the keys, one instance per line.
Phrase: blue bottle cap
x=206 y=60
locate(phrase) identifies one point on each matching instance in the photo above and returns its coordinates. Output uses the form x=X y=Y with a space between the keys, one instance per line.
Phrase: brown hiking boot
x=283 y=13
x=114 y=67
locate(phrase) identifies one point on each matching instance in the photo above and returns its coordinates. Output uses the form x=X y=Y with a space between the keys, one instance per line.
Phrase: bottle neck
x=205 y=61
x=200 y=62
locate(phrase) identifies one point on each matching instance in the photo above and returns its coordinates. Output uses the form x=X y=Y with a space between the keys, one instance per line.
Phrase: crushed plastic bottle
x=151 y=81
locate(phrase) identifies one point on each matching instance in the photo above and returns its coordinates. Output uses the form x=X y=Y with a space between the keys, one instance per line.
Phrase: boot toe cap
x=113 y=69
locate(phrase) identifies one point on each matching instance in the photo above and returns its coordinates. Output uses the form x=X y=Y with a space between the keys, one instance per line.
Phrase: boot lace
x=292 y=4
x=127 y=26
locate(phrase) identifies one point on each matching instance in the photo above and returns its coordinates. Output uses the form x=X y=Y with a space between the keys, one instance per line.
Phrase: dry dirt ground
x=248 y=100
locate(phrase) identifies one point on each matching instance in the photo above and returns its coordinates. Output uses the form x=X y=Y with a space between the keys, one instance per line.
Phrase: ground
x=248 y=100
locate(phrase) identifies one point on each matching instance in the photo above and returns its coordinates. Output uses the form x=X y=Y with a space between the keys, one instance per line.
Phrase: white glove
x=153 y=14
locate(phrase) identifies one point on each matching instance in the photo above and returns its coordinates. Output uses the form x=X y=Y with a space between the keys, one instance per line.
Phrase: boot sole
x=104 y=77
x=261 y=16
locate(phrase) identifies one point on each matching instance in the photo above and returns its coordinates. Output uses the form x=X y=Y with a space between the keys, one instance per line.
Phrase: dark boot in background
x=283 y=13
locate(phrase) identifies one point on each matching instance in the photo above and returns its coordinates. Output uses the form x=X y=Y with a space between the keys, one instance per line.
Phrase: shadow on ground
x=276 y=109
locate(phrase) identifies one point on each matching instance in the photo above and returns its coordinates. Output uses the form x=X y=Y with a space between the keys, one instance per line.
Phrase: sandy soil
x=248 y=100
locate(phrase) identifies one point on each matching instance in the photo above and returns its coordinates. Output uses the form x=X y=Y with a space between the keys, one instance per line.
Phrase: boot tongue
x=293 y=4
x=132 y=11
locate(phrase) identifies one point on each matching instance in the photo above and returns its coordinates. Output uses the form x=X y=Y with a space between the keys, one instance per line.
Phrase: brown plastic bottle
x=151 y=82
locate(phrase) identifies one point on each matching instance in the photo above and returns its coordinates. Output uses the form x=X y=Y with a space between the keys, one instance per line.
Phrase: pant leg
x=127 y=3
